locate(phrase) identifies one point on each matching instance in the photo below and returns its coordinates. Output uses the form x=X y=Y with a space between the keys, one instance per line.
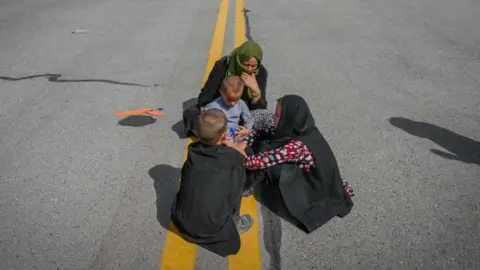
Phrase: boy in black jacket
x=207 y=205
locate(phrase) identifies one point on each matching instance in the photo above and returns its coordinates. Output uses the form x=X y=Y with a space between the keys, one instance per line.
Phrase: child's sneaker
x=243 y=223
x=248 y=192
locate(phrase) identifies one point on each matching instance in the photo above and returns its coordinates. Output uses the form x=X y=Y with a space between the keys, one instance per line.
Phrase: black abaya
x=312 y=197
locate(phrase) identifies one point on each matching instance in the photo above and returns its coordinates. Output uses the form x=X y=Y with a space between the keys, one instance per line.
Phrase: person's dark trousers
x=190 y=116
x=253 y=178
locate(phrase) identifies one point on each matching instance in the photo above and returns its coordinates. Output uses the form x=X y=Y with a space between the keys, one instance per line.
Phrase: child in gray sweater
x=234 y=107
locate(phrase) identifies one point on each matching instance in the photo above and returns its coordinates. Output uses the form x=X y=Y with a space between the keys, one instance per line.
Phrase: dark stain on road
x=248 y=33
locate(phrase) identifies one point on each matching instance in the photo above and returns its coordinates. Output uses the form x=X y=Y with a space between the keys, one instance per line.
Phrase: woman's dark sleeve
x=262 y=84
x=210 y=90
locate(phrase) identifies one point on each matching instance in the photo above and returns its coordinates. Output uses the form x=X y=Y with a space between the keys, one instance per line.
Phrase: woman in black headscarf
x=299 y=160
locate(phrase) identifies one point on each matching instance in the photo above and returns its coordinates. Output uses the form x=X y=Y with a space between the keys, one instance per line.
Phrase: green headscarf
x=239 y=55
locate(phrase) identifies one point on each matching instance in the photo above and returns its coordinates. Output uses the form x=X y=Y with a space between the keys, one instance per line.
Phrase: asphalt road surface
x=394 y=87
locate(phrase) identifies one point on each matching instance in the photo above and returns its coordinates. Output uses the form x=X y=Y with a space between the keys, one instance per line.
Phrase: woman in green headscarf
x=244 y=61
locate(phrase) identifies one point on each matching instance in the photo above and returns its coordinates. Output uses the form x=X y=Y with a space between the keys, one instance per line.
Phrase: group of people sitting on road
x=239 y=144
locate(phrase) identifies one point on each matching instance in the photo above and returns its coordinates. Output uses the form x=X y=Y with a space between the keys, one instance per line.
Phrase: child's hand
x=242 y=152
x=242 y=132
x=242 y=145
x=229 y=143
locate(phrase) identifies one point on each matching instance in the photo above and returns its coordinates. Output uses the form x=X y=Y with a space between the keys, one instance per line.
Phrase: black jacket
x=210 y=193
x=211 y=89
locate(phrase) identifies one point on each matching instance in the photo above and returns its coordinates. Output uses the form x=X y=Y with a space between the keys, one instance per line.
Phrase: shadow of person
x=165 y=181
x=137 y=121
x=460 y=147
x=272 y=237
x=270 y=196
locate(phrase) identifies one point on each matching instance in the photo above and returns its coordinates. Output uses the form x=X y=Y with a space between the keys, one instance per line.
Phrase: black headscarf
x=296 y=120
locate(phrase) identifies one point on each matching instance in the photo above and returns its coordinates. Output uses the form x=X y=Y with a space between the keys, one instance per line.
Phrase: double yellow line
x=177 y=253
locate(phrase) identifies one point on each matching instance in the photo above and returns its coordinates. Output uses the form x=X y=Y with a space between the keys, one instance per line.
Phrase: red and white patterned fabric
x=349 y=189
x=293 y=152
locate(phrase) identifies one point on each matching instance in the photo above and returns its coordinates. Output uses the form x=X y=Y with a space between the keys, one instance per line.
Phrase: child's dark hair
x=211 y=125
x=233 y=83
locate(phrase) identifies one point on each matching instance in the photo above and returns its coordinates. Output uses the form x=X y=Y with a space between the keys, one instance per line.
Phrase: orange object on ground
x=140 y=111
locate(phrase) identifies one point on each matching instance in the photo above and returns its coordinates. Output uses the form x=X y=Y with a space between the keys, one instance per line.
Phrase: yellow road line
x=177 y=253
x=248 y=258
x=239 y=23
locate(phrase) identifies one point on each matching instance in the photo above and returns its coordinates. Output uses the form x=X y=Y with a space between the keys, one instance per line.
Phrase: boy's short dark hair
x=233 y=83
x=211 y=125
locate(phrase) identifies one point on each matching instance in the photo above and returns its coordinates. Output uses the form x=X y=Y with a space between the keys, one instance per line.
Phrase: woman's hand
x=250 y=81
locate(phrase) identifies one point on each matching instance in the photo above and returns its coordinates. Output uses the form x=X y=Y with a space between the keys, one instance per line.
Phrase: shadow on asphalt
x=165 y=181
x=460 y=147
x=137 y=121
x=272 y=209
